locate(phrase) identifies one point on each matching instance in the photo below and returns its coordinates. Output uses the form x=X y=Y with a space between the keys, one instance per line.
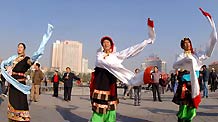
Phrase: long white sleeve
x=113 y=62
x=212 y=40
x=134 y=50
x=114 y=66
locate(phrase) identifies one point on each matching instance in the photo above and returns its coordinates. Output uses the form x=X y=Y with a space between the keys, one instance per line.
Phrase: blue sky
x=123 y=20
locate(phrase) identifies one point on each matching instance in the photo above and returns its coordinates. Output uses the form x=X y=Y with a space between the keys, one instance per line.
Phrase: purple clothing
x=156 y=76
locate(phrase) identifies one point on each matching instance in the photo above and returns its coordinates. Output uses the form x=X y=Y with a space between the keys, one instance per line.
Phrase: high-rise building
x=164 y=66
x=85 y=65
x=67 y=54
x=154 y=61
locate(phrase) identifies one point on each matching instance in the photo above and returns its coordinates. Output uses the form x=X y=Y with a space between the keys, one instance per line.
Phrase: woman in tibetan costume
x=109 y=68
x=18 y=109
x=188 y=92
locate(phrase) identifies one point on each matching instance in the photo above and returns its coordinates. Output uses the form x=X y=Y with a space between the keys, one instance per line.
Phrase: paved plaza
x=50 y=109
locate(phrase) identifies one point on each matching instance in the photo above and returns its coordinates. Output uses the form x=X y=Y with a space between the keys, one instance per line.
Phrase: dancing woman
x=18 y=109
x=109 y=68
x=188 y=91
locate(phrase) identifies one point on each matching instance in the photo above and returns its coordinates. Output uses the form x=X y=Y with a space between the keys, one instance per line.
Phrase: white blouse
x=113 y=62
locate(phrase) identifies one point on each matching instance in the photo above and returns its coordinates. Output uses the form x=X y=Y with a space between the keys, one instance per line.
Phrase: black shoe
x=160 y=100
x=206 y=96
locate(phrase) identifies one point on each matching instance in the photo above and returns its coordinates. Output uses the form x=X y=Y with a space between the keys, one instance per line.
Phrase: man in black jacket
x=213 y=80
x=68 y=83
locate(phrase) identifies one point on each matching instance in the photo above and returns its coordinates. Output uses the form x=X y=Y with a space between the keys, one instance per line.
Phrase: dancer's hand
x=150 y=41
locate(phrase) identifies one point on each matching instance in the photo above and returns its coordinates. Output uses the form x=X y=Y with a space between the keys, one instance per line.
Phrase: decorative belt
x=101 y=92
x=21 y=79
x=102 y=109
x=101 y=95
x=18 y=73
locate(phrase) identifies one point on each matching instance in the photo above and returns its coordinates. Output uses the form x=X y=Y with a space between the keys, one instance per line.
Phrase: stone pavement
x=50 y=109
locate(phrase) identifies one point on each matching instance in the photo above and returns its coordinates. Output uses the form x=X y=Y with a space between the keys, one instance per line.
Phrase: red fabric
x=183 y=91
x=197 y=100
x=164 y=76
x=205 y=13
x=56 y=78
x=112 y=89
x=150 y=23
x=91 y=82
x=91 y=86
x=147 y=75
x=78 y=82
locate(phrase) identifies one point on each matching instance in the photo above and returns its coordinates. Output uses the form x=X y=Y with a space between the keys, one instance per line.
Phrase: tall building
x=67 y=54
x=164 y=66
x=85 y=65
x=154 y=61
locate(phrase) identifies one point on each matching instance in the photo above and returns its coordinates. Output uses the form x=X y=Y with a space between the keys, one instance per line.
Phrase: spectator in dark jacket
x=213 y=80
x=68 y=83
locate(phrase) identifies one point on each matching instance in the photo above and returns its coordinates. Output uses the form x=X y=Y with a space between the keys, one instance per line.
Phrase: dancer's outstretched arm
x=36 y=55
x=134 y=50
x=212 y=40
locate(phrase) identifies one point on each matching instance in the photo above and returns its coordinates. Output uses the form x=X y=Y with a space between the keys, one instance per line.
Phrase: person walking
x=68 y=78
x=37 y=78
